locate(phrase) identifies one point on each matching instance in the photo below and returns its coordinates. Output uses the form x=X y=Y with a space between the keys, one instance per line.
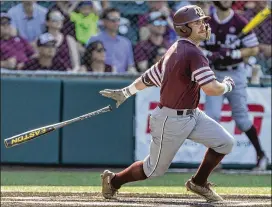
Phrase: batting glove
x=229 y=84
x=117 y=95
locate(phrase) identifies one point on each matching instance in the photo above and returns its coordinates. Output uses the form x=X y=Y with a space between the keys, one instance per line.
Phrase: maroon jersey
x=180 y=73
x=34 y=64
x=224 y=32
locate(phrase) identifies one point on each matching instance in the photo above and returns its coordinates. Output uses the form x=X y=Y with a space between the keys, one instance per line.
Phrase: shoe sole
x=189 y=189
x=104 y=177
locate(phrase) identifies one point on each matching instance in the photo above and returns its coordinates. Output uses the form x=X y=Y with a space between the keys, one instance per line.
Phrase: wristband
x=227 y=88
x=130 y=90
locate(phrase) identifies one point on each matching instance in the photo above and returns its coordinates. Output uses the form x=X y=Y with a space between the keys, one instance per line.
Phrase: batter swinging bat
x=32 y=134
x=255 y=21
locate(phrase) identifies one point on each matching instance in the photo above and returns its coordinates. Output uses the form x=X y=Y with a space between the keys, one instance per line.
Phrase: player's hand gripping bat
x=32 y=134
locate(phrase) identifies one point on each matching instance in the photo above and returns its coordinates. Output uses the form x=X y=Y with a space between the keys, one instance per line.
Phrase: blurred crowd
x=102 y=36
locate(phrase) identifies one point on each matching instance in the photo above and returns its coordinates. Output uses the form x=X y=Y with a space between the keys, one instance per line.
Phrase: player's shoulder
x=185 y=44
x=189 y=49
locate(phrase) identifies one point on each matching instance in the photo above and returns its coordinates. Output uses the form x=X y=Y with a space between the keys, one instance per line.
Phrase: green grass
x=40 y=181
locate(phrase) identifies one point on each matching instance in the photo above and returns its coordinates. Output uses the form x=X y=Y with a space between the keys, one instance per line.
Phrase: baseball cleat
x=204 y=191
x=107 y=190
x=262 y=164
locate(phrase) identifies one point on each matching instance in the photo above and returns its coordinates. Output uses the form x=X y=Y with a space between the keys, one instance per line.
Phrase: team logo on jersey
x=232 y=29
x=199 y=11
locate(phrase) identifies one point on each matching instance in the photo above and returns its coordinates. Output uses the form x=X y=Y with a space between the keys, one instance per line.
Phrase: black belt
x=185 y=112
x=182 y=112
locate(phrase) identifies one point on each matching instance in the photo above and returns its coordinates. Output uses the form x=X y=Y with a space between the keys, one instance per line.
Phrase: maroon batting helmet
x=186 y=15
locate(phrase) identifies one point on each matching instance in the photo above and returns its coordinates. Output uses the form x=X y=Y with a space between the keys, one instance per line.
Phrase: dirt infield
x=25 y=199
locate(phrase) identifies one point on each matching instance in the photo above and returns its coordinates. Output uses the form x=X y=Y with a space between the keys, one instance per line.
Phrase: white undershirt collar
x=225 y=20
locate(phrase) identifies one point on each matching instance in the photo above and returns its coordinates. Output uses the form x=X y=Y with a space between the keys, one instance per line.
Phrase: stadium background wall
x=104 y=140
x=28 y=103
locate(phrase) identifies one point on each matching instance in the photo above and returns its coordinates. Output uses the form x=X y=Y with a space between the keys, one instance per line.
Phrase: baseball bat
x=34 y=133
x=254 y=22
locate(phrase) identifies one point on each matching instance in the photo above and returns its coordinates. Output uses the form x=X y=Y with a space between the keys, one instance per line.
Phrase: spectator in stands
x=94 y=58
x=67 y=52
x=14 y=50
x=263 y=32
x=85 y=20
x=206 y=6
x=155 y=6
x=65 y=8
x=145 y=51
x=47 y=46
x=28 y=18
x=119 y=52
x=159 y=53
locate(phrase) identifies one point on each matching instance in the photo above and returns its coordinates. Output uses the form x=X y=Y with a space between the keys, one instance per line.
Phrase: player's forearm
x=247 y=52
x=215 y=88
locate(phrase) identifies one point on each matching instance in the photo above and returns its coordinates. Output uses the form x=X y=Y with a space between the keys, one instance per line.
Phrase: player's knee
x=230 y=144
x=159 y=170
x=243 y=125
x=226 y=145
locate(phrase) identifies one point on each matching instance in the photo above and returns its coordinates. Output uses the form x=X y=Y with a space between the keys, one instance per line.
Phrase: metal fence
x=82 y=18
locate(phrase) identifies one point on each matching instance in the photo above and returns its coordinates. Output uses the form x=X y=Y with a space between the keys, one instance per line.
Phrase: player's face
x=198 y=30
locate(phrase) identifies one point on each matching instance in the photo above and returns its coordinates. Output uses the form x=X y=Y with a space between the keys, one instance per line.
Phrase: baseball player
x=180 y=74
x=226 y=59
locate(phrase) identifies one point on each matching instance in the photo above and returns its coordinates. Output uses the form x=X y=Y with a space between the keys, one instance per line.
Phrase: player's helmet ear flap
x=186 y=15
x=183 y=30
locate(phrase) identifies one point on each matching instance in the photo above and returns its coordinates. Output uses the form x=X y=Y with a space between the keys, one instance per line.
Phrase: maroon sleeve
x=153 y=76
x=199 y=66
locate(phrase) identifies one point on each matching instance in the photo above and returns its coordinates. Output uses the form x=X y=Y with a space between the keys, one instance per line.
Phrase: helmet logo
x=199 y=11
